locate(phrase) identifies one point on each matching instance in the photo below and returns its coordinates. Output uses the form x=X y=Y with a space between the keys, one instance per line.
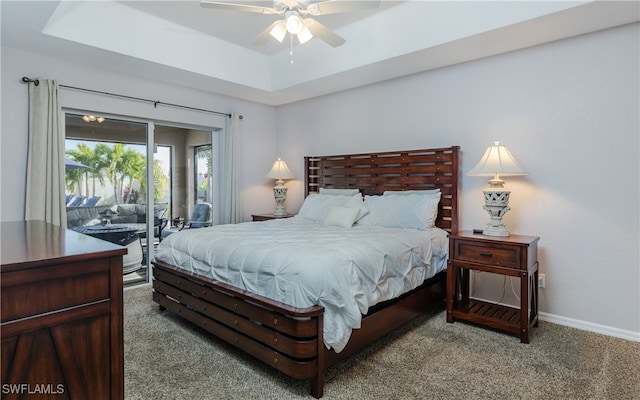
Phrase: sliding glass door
x=107 y=186
x=125 y=190
x=191 y=183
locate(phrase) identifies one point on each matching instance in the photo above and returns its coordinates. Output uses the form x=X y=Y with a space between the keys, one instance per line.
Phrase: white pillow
x=342 y=216
x=412 y=211
x=316 y=206
x=357 y=202
x=434 y=192
x=340 y=192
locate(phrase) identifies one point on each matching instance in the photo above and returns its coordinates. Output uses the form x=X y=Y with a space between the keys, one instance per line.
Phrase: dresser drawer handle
x=486 y=254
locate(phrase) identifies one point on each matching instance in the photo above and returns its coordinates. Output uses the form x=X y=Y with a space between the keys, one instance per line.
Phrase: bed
x=299 y=341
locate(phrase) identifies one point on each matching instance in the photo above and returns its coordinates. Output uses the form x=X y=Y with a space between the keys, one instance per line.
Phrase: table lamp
x=280 y=171
x=497 y=161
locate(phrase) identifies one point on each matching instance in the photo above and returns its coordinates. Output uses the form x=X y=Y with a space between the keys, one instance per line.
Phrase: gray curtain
x=231 y=210
x=45 y=159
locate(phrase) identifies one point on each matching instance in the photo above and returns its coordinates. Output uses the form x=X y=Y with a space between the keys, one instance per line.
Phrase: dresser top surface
x=32 y=243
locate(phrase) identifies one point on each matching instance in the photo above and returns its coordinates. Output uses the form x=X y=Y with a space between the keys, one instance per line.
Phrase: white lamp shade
x=305 y=35
x=279 y=31
x=497 y=160
x=280 y=171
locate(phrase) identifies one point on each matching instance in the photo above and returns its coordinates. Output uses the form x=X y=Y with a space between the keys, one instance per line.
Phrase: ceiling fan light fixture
x=294 y=23
x=304 y=35
x=292 y=13
x=279 y=31
x=92 y=118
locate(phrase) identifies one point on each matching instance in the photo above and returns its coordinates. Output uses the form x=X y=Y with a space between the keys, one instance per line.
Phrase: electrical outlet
x=541 y=280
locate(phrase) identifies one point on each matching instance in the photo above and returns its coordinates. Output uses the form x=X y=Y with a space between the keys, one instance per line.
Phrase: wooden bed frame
x=291 y=339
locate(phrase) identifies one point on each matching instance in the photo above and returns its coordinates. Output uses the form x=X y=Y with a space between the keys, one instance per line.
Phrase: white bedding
x=303 y=263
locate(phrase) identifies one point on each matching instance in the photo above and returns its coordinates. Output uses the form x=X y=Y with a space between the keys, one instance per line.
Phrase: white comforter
x=304 y=263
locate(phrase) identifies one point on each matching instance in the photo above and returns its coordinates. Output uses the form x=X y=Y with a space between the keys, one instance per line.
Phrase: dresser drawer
x=46 y=289
x=505 y=256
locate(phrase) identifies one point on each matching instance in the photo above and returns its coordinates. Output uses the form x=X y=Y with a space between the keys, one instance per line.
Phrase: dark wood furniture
x=267 y=217
x=291 y=339
x=516 y=256
x=62 y=322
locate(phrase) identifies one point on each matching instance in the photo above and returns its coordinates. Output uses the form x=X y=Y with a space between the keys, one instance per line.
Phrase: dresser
x=61 y=314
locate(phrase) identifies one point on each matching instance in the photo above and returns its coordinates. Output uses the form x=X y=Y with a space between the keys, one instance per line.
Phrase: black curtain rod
x=155 y=102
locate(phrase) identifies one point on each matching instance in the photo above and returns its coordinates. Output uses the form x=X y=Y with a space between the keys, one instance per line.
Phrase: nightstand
x=514 y=255
x=266 y=217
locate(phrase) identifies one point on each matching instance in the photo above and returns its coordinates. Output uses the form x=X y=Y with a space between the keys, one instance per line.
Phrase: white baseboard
x=590 y=326
x=582 y=325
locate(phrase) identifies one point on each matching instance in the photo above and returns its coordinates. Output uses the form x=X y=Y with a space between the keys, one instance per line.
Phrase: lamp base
x=280 y=212
x=280 y=194
x=496 y=231
x=496 y=203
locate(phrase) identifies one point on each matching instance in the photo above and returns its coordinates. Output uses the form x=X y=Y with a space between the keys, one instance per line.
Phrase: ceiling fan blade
x=338 y=6
x=237 y=7
x=324 y=33
x=265 y=35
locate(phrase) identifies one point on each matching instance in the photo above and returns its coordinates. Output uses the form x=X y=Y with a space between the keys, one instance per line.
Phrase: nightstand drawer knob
x=486 y=254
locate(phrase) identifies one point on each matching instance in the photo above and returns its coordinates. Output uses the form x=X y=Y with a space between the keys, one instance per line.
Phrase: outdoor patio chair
x=200 y=217
x=77 y=201
x=92 y=201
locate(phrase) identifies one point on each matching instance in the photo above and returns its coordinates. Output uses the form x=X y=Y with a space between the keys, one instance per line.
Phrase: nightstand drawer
x=493 y=255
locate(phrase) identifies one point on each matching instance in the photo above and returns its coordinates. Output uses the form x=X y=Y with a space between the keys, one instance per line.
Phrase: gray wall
x=568 y=111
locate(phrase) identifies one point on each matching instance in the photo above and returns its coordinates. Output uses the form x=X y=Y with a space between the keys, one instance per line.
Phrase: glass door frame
x=209 y=179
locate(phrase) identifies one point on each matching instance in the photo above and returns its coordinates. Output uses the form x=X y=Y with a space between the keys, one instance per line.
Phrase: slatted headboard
x=373 y=173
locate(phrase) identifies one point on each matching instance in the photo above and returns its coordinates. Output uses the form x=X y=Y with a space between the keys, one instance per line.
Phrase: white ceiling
x=183 y=43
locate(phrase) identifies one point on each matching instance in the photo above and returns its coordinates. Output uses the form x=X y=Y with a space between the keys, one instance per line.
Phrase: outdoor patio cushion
x=92 y=201
x=77 y=201
x=132 y=215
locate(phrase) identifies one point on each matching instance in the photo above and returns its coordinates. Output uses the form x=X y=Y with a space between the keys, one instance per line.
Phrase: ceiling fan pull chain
x=291 y=47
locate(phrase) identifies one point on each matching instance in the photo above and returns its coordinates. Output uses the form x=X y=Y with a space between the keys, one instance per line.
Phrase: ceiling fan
x=294 y=18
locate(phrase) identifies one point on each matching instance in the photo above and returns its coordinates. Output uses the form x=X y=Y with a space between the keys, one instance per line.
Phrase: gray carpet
x=168 y=358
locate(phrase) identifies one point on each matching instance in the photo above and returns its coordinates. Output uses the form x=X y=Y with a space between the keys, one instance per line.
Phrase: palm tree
x=122 y=164
x=97 y=167
x=73 y=179
x=160 y=182
x=84 y=155
x=118 y=164
x=113 y=160
x=133 y=167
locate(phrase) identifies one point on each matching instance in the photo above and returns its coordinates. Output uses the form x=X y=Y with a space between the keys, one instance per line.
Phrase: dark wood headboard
x=373 y=173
